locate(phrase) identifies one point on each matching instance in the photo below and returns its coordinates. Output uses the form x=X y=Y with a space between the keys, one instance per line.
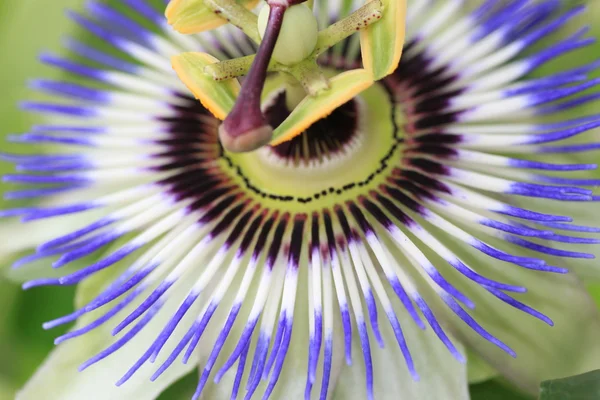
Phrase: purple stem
x=246 y=128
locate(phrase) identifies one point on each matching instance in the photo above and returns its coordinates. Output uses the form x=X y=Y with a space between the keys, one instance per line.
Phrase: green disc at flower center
x=340 y=157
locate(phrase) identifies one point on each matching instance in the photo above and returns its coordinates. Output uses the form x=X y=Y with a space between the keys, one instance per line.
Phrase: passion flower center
x=332 y=137
x=340 y=155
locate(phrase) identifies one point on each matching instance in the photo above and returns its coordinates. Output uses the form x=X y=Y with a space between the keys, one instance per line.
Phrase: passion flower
x=404 y=212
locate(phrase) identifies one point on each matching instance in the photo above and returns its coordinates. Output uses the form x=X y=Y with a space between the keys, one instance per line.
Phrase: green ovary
x=298 y=37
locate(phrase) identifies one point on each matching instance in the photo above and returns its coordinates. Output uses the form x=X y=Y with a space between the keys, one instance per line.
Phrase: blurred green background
x=26 y=28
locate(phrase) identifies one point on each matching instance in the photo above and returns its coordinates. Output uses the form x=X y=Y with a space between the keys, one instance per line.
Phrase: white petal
x=570 y=347
x=25 y=237
x=585 y=214
x=292 y=382
x=441 y=376
x=58 y=377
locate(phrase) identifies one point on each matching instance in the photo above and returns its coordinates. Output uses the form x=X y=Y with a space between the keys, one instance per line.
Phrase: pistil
x=246 y=128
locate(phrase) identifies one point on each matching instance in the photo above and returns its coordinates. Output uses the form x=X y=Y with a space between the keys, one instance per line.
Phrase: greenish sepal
x=217 y=97
x=382 y=43
x=238 y=15
x=195 y=16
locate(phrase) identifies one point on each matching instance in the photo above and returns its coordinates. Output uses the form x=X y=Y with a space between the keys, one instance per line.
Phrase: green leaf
x=494 y=390
x=7 y=391
x=580 y=387
x=29 y=343
x=183 y=389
